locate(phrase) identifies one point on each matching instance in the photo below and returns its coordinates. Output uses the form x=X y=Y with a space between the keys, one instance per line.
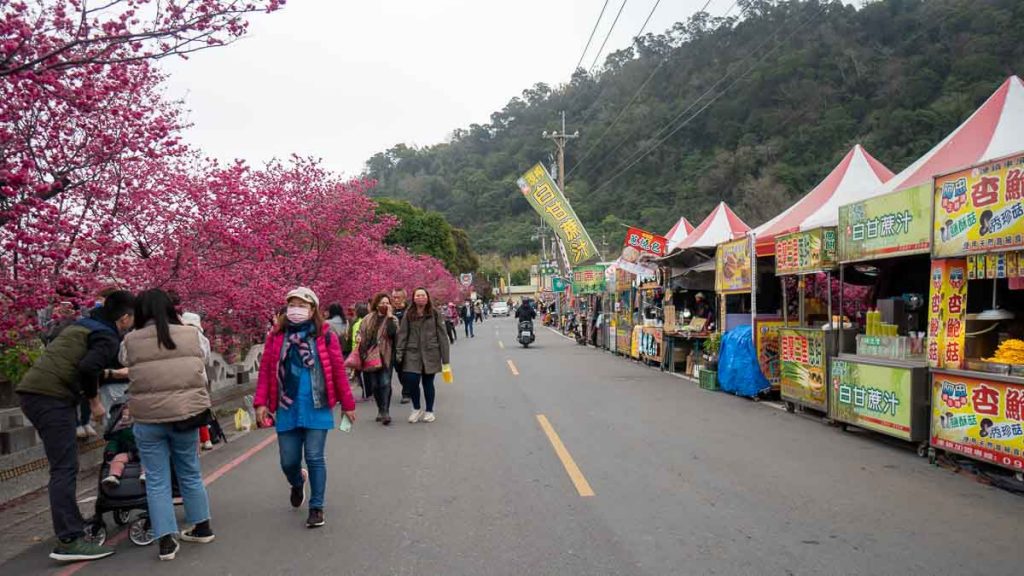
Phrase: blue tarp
x=738 y=371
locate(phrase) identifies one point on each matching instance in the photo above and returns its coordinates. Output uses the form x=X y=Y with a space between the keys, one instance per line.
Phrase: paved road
x=685 y=482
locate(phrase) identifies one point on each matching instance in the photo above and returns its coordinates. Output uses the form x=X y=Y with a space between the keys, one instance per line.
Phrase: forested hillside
x=783 y=91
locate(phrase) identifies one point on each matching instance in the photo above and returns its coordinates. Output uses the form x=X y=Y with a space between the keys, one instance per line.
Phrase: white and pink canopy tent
x=857 y=177
x=720 y=226
x=995 y=130
x=678 y=233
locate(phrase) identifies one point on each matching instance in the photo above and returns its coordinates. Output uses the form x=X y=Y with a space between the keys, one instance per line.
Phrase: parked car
x=500 y=309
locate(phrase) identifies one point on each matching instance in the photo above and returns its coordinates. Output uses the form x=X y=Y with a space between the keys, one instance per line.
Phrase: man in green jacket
x=70 y=369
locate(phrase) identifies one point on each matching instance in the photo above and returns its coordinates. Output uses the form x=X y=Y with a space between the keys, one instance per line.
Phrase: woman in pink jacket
x=302 y=377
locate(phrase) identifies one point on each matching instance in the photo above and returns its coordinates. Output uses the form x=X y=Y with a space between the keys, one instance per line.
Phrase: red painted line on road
x=217 y=474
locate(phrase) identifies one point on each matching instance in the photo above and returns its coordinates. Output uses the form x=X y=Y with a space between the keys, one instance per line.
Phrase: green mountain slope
x=787 y=89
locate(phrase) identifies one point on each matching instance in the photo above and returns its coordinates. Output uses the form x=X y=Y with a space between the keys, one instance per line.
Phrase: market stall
x=804 y=346
x=882 y=384
x=856 y=176
x=689 y=282
x=977 y=303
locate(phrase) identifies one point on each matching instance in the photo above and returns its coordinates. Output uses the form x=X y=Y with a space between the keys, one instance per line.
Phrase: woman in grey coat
x=422 y=352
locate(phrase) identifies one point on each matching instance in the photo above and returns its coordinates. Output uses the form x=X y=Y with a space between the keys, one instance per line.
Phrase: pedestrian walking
x=70 y=369
x=336 y=321
x=169 y=400
x=302 y=377
x=451 y=318
x=399 y=300
x=376 y=348
x=352 y=341
x=422 y=351
x=478 y=311
x=467 y=318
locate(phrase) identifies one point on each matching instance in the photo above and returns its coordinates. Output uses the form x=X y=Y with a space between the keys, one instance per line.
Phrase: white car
x=500 y=309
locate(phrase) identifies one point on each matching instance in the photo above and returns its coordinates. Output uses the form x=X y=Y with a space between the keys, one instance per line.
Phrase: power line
x=607 y=182
x=692 y=104
x=635 y=94
x=608 y=35
x=591 y=39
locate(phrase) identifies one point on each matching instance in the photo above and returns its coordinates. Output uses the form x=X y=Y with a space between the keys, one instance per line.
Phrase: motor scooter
x=525 y=335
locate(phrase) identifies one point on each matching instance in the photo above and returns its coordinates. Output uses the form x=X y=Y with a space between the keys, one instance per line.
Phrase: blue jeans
x=469 y=326
x=292 y=444
x=160 y=446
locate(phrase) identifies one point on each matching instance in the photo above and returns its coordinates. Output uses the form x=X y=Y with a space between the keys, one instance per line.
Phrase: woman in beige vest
x=169 y=400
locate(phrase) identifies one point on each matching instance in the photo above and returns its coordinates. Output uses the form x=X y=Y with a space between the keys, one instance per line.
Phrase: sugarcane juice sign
x=733 y=267
x=893 y=224
x=802 y=366
x=872 y=397
x=980 y=209
x=806 y=252
x=979 y=418
x=543 y=194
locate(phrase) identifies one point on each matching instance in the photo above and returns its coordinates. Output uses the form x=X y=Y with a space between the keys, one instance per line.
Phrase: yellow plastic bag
x=243 y=422
x=446 y=373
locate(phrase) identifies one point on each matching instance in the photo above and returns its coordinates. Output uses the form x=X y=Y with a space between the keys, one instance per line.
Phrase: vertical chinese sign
x=766 y=342
x=979 y=418
x=980 y=209
x=947 y=313
x=802 y=367
x=543 y=194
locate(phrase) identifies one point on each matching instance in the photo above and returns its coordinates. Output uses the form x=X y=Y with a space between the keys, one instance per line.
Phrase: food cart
x=804 y=349
x=975 y=347
x=882 y=385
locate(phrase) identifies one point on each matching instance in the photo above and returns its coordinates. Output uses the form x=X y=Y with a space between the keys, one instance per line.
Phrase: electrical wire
x=591 y=39
x=607 y=36
x=620 y=172
x=636 y=94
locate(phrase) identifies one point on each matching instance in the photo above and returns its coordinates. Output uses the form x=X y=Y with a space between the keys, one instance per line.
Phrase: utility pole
x=560 y=139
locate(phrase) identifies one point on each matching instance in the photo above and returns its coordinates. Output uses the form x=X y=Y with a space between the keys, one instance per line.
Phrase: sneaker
x=404 y=400
x=200 y=533
x=90 y=431
x=111 y=481
x=429 y=417
x=386 y=420
x=380 y=417
x=298 y=495
x=168 y=547
x=78 y=550
x=415 y=416
x=316 y=518
x=208 y=445
x=80 y=432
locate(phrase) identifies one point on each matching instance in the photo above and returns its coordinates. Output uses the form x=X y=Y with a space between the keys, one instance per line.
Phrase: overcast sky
x=343 y=80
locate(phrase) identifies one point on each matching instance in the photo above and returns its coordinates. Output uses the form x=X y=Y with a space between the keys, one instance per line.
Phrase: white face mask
x=298 y=314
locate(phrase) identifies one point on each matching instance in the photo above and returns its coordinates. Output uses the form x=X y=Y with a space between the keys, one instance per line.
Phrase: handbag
x=372 y=361
x=354 y=361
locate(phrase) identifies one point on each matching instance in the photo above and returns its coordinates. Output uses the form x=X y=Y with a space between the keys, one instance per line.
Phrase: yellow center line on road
x=512 y=367
x=581 y=484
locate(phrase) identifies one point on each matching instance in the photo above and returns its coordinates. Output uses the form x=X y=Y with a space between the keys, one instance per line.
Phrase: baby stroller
x=128 y=495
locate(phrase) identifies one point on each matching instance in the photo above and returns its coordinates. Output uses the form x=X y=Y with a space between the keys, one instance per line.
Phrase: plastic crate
x=708 y=379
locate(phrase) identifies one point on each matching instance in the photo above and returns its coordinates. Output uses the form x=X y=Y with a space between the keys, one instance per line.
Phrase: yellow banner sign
x=543 y=194
x=980 y=209
x=947 y=313
x=980 y=418
x=733 y=264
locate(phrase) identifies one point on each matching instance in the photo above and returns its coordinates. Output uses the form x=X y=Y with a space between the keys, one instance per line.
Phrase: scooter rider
x=525 y=313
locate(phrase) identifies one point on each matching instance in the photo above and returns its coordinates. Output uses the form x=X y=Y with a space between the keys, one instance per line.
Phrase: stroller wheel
x=121 y=517
x=140 y=532
x=96 y=532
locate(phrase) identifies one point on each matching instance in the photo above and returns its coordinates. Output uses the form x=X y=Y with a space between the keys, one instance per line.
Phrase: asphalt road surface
x=565 y=460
